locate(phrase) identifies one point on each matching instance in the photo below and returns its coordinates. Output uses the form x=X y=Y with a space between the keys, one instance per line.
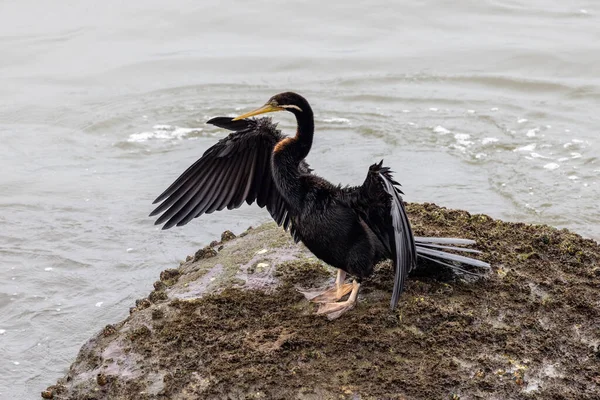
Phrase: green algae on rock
x=229 y=329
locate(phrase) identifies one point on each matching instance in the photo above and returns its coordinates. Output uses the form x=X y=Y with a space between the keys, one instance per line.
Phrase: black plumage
x=350 y=228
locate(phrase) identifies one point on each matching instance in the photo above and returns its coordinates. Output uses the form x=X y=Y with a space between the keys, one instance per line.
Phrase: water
x=490 y=106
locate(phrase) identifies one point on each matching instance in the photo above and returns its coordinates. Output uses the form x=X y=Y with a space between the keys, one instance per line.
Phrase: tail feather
x=428 y=250
x=438 y=240
x=454 y=267
x=405 y=247
x=439 y=246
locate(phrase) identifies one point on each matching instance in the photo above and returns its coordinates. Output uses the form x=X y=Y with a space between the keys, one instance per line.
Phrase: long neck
x=287 y=159
x=300 y=147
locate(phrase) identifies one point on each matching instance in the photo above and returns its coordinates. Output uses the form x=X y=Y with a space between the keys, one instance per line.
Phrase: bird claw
x=335 y=310
x=334 y=294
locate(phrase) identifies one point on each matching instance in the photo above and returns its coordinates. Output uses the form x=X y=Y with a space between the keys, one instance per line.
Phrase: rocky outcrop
x=231 y=323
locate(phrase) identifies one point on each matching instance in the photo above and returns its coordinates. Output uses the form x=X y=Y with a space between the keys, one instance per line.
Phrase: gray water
x=485 y=105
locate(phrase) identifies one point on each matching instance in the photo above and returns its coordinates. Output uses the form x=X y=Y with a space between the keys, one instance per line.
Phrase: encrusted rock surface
x=231 y=324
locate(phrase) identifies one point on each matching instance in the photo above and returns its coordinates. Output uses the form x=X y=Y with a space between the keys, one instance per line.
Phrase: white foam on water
x=480 y=155
x=441 y=130
x=471 y=111
x=463 y=139
x=337 y=120
x=562 y=159
x=433 y=109
x=129 y=250
x=494 y=109
x=460 y=148
x=48 y=269
x=573 y=177
x=551 y=166
x=16 y=362
x=521 y=120
x=529 y=147
x=162 y=132
x=99 y=304
x=489 y=140
x=575 y=155
x=536 y=155
x=532 y=132
x=405 y=111
x=2 y=331
x=577 y=141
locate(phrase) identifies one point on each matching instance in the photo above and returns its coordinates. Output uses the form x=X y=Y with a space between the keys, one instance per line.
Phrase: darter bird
x=349 y=228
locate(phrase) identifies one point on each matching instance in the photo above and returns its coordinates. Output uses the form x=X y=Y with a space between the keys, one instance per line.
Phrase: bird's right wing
x=236 y=169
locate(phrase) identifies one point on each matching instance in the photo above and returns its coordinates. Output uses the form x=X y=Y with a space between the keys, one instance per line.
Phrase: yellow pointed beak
x=264 y=109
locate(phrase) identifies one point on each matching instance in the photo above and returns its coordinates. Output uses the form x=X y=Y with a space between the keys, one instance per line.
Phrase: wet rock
x=101 y=379
x=157 y=295
x=141 y=304
x=206 y=252
x=529 y=329
x=227 y=236
x=157 y=313
x=169 y=275
x=109 y=330
x=139 y=333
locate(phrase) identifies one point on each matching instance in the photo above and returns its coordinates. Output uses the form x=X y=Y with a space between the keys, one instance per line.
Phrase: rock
x=206 y=252
x=227 y=236
x=232 y=324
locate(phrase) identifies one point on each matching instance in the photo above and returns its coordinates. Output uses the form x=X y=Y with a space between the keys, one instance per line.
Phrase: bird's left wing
x=379 y=204
x=236 y=169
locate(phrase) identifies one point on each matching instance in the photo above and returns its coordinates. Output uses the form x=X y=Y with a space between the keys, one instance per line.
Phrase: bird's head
x=286 y=101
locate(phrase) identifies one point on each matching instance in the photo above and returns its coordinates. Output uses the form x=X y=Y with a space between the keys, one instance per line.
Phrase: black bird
x=350 y=228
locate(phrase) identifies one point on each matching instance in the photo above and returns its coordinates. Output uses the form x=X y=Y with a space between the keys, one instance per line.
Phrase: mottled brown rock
x=529 y=330
x=206 y=252
x=227 y=236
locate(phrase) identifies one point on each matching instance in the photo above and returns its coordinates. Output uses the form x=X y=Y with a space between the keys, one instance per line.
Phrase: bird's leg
x=334 y=310
x=335 y=293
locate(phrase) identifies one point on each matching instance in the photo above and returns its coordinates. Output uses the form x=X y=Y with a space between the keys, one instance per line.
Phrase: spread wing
x=378 y=202
x=235 y=170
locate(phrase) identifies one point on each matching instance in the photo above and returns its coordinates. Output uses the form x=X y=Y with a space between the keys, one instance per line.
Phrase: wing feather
x=235 y=170
x=379 y=204
x=203 y=198
x=176 y=201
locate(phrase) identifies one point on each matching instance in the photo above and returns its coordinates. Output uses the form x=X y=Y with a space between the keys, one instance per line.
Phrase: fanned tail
x=432 y=249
